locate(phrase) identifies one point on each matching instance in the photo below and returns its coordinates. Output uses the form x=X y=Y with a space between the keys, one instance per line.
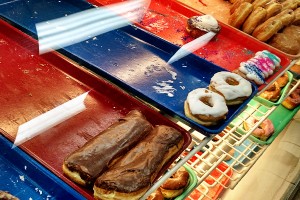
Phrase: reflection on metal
x=65 y=31
x=50 y=119
x=192 y=46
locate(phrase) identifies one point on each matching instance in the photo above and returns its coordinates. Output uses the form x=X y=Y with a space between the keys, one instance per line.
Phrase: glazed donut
x=234 y=88
x=283 y=80
x=272 y=8
x=266 y=30
x=272 y=93
x=293 y=100
x=255 y=18
x=263 y=131
x=175 y=185
x=239 y=16
x=199 y=25
x=205 y=107
x=156 y=195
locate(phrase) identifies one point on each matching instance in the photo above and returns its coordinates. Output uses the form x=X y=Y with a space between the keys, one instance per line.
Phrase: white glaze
x=230 y=92
x=206 y=23
x=198 y=107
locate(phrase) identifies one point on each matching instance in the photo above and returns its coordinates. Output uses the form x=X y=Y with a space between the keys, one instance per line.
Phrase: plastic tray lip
x=40 y=168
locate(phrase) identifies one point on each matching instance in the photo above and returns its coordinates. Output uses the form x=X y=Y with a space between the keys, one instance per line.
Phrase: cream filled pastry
x=233 y=87
x=205 y=107
x=199 y=25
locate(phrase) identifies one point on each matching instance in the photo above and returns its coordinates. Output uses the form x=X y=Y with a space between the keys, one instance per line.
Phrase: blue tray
x=136 y=60
x=24 y=178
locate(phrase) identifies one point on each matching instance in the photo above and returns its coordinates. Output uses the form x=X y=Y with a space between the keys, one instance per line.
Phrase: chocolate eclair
x=134 y=173
x=87 y=163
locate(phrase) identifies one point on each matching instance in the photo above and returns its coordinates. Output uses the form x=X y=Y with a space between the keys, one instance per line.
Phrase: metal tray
x=167 y=19
x=25 y=178
x=136 y=60
x=32 y=85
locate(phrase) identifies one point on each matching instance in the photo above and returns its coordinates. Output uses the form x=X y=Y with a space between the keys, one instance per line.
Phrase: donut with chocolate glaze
x=84 y=165
x=135 y=172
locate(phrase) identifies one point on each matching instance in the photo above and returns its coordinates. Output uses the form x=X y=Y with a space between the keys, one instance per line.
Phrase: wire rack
x=221 y=161
x=227 y=158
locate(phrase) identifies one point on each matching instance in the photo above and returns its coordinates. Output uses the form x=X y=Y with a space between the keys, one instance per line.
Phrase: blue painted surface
x=25 y=178
x=132 y=58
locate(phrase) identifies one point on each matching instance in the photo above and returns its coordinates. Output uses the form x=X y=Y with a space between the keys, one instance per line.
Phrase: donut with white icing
x=252 y=72
x=205 y=107
x=233 y=87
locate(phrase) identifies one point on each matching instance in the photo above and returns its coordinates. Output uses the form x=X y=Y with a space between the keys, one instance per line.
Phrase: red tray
x=220 y=10
x=167 y=19
x=32 y=84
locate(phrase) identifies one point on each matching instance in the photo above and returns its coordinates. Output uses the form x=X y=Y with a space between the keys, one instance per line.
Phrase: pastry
x=88 y=162
x=259 y=3
x=234 y=88
x=136 y=171
x=283 y=80
x=257 y=16
x=263 y=131
x=272 y=93
x=266 y=30
x=237 y=3
x=273 y=8
x=199 y=25
x=239 y=16
x=293 y=100
x=175 y=185
x=205 y=107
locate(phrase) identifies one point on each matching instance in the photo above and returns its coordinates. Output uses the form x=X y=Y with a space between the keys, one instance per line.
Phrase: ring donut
x=263 y=131
x=255 y=18
x=233 y=87
x=205 y=107
x=175 y=185
x=239 y=16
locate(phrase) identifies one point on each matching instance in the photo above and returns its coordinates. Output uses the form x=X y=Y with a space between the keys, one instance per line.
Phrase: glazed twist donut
x=175 y=185
x=267 y=29
x=273 y=8
x=255 y=18
x=239 y=16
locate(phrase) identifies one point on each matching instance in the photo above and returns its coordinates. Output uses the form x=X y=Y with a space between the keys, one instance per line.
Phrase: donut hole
x=207 y=101
x=231 y=81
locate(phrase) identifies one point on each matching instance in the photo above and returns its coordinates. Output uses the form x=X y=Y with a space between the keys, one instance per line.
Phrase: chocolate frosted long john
x=133 y=174
x=88 y=162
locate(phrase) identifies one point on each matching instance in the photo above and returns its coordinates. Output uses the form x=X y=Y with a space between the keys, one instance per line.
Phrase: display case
x=122 y=70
